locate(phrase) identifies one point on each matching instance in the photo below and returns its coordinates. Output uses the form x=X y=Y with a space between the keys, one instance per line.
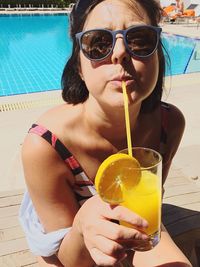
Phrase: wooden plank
x=31 y=265
x=183 y=199
x=181 y=189
x=179 y=220
x=175 y=181
x=11 y=233
x=19 y=259
x=13 y=246
x=193 y=206
x=8 y=222
x=9 y=211
x=175 y=172
x=11 y=193
x=10 y=201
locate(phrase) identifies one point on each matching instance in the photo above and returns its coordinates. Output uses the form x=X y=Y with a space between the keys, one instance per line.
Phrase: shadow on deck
x=183 y=226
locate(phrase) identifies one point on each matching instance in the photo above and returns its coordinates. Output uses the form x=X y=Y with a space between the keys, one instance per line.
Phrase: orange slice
x=115 y=172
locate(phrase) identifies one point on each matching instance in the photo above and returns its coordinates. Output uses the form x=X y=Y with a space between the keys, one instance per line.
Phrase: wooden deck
x=13 y=247
x=181 y=215
x=181 y=212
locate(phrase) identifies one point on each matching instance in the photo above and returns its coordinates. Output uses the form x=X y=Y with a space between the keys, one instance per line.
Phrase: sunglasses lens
x=142 y=42
x=96 y=44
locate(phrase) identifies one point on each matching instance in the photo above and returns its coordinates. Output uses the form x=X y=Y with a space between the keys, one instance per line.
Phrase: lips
x=118 y=82
x=122 y=78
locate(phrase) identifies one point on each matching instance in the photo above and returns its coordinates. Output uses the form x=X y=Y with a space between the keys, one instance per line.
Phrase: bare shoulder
x=176 y=122
x=57 y=115
x=49 y=182
x=42 y=163
x=175 y=130
x=38 y=155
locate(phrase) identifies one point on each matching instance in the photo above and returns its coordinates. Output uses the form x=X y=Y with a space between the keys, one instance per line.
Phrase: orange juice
x=145 y=200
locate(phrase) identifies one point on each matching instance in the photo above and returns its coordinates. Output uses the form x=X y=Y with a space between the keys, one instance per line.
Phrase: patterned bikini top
x=84 y=187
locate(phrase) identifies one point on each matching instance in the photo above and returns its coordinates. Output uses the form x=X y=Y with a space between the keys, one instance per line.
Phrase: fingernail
x=144 y=237
x=145 y=224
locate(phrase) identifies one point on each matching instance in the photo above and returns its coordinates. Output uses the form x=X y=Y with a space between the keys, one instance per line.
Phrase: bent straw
x=127 y=119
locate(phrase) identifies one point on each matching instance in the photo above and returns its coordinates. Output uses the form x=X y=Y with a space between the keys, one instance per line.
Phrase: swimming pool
x=184 y=54
x=34 y=50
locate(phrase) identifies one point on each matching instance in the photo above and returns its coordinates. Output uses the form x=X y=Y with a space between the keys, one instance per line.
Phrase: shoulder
x=175 y=129
x=41 y=161
x=174 y=132
x=59 y=121
x=61 y=117
x=40 y=157
x=176 y=120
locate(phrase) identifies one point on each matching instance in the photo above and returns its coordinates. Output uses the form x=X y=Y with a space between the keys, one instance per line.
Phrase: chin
x=114 y=103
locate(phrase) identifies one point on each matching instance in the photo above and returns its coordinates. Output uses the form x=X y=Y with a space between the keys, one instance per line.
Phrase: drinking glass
x=144 y=198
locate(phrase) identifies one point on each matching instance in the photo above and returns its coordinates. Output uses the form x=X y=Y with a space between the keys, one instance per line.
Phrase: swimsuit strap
x=84 y=187
x=64 y=153
x=165 y=108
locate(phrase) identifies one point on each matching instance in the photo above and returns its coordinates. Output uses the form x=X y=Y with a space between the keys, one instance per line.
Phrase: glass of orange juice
x=145 y=196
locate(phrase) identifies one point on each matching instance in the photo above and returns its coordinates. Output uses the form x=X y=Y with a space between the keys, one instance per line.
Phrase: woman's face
x=103 y=78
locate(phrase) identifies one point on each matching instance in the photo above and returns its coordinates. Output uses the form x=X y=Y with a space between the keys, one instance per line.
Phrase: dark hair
x=74 y=88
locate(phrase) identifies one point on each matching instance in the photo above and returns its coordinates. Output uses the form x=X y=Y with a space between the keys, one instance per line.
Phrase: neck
x=109 y=122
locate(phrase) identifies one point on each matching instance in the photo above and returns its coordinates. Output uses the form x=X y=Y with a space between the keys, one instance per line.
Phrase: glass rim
x=144 y=148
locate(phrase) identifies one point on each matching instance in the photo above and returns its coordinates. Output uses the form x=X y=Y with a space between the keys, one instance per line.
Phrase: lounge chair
x=188 y=15
x=166 y=12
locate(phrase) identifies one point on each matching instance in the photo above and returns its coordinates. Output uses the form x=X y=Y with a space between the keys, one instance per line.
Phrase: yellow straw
x=127 y=119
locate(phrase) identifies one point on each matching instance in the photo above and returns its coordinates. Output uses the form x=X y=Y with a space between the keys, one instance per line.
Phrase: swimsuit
x=84 y=187
x=47 y=244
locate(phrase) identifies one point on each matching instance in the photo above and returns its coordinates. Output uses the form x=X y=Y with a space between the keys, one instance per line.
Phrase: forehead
x=116 y=14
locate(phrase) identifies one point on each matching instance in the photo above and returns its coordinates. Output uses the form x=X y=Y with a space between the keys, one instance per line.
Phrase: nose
x=120 y=53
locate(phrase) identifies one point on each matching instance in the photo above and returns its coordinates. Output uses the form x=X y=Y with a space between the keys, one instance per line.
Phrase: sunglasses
x=141 y=41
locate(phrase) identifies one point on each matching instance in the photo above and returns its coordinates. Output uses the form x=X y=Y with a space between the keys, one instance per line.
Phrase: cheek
x=93 y=74
x=84 y=67
x=153 y=71
x=149 y=72
x=90 y=72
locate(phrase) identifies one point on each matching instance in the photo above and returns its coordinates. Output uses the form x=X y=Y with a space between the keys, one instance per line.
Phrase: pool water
x=34 y=50
x=184 y=54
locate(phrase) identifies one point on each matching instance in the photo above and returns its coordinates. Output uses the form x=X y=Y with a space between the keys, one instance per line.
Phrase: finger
x=129 y=216
x=109 y=247
x=118 y=232
x=102 y=259
x=121 y=213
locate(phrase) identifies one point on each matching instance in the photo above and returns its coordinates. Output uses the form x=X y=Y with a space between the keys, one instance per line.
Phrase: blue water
x=34 y=50
x=184 y=53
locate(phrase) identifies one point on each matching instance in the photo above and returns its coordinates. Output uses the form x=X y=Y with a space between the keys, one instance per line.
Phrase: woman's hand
x=106 y=240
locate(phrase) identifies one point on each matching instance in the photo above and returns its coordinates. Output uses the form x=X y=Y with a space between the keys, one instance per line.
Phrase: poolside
x=184 y=191
x=28 y=65
x=35 y=10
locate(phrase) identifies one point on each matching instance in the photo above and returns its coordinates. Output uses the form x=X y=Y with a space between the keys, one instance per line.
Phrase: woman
x=178 y=10
x=65 y=222
x=179 y=7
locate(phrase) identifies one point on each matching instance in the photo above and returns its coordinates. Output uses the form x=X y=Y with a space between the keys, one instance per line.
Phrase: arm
x=50 y=183
x=174 y=135
x=181 y=8
x=93 y=238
